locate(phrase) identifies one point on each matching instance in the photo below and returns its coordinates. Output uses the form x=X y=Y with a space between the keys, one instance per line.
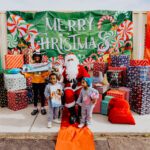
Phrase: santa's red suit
x=73 y=83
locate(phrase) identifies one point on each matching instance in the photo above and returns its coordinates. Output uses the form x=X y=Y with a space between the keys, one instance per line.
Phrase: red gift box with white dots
x=17 y=99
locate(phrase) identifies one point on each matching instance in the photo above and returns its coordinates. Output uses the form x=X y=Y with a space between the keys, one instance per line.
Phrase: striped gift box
x=14 y=61
x=138 y=62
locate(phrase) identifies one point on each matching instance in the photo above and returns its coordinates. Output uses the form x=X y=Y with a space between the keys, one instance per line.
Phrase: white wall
x=139 y=21
x=74 y=5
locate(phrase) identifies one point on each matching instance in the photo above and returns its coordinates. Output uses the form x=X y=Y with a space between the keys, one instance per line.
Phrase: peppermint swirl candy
x=110 y=36
x=12 y=41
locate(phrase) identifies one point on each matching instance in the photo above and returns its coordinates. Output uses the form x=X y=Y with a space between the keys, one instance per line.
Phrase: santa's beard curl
x=71 y=67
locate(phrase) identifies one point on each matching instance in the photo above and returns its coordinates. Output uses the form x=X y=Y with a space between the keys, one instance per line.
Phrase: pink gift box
x=127 y=92
x=97 y=108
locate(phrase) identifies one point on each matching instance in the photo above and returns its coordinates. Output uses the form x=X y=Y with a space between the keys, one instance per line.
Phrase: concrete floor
x=22 y=122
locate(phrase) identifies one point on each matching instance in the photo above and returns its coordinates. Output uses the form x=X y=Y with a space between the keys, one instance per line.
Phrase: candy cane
x=110 y=18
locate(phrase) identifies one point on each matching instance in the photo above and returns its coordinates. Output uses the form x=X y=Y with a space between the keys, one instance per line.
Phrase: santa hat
x=88 y=81
x=71 y=56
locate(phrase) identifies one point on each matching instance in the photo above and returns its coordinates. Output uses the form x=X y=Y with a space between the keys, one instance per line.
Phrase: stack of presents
x=124 y=79
x=15 y=89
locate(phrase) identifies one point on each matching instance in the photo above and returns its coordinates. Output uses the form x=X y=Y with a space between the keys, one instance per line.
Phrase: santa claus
x=73 y=74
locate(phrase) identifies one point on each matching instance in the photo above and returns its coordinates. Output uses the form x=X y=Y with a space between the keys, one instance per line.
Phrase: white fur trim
x=70 y=104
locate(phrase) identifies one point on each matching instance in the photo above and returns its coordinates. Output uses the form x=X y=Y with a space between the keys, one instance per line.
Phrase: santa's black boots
x=78 y=114
x=73 y=117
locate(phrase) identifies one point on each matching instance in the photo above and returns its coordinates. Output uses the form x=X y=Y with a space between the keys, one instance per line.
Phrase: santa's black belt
x=72 y=81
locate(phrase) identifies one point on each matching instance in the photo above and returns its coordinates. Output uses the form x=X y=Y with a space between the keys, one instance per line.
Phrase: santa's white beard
x=71 y=70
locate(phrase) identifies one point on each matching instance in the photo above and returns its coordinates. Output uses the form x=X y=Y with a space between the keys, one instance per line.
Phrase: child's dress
x=85 y=101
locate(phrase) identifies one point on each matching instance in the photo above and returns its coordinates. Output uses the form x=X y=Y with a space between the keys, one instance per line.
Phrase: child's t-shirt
x=53 y=91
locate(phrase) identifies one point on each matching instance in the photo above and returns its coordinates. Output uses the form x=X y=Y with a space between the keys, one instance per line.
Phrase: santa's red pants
x=71 y=96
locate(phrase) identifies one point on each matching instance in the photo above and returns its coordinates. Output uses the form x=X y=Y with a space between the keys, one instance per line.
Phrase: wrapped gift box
x=99 y=67
x=138 y=62
x=115 y=78
x=124 y=72
x=1 y=80
x=104 y=107
x=127 y=92
x=44 y=58
x=17 y=99
x=101 y=88
x=120 y=60
x=3 y=97
x=140 y=97
x=29 y=82
x=108 y=98
x=138 y=73
x=97 y=108
x=14 y=82
x=28 y=59
x=117 y=93
x=14 y=61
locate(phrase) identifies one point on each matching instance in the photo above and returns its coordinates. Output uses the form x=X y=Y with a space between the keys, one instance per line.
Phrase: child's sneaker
x=89 y=124
x=81 y=125
x=49 y=124
x=57 y=121
x=34 y=112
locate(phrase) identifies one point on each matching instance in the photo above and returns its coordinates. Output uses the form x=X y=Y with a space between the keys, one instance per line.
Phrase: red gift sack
x=119 y=112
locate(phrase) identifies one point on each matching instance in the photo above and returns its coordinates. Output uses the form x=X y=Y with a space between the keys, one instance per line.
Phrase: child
x=38 y=84
x=87 y=100
x=53 y=93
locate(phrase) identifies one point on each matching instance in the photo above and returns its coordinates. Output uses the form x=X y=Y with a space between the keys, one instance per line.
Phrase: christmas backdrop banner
x=83 y=33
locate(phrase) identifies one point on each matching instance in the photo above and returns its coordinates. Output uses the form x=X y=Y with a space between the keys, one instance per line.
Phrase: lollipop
x=125 y=30
x=88 y=63
x=16 y=25
x=12 y=41
x=31 y=32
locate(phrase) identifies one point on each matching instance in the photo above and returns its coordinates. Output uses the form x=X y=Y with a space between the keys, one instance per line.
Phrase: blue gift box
x=120 y=60
x=104 y=107
x=140 y=97
x=138 y=73
x=108 y=98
